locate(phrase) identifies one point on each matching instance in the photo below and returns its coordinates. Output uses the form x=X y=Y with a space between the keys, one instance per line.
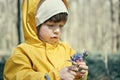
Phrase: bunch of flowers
x=78 y=57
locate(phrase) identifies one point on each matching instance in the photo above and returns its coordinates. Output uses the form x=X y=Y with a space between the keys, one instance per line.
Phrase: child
x=43 y=56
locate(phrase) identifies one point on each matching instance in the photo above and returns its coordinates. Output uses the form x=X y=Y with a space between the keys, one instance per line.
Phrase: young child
x=43 y=56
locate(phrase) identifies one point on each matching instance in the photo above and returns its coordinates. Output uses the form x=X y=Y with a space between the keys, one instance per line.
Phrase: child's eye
x=49 y=25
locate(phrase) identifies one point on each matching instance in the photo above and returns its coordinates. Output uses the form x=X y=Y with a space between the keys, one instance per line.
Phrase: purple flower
x=78 y=57
x=85 y=53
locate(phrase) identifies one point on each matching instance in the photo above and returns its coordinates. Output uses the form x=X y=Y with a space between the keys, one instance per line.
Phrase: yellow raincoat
x=33 y=59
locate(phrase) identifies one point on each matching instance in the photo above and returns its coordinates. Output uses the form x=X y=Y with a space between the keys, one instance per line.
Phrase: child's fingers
x=81 y=73
x=73 y=68
x=84 y=67
x=81 y=63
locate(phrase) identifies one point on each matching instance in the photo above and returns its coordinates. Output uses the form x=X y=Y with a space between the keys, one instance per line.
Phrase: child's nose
x=57 y=30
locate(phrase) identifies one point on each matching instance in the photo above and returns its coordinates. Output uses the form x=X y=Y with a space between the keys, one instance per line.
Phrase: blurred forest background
x=93 y=25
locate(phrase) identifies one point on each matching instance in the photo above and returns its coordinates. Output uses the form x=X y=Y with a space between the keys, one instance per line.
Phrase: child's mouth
x=54 y=37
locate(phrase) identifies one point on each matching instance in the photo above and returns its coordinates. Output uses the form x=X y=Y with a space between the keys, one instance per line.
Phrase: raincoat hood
x=29 y=9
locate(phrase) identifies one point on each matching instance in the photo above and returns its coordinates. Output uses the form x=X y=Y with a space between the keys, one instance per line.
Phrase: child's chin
x=53 y=42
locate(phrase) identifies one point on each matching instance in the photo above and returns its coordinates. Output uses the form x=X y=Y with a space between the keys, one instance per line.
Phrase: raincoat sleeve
x=18 y=67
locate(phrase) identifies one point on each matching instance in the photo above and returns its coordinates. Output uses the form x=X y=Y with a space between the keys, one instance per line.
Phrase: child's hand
x=72 y=72
x=78 y=61
x=82 y=69
x=68 y=73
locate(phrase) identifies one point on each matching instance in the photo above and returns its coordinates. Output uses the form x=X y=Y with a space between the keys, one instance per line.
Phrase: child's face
x=50 y=31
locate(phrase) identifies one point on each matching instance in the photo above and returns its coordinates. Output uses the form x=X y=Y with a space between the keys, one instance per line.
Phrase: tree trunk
x=118 y=28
